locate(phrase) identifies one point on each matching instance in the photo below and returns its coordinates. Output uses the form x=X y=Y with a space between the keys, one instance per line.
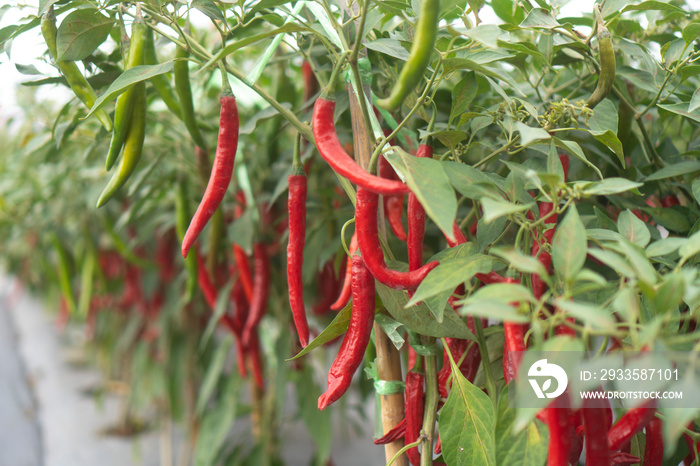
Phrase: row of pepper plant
x=449 y=193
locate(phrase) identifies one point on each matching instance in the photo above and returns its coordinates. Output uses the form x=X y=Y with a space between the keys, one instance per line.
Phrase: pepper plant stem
x=431 y=401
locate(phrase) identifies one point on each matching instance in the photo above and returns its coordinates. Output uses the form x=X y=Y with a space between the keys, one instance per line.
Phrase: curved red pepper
x=241 y=259
x=393 y=205
x=629 y=424
x=414 y=407
x=368 y=240
x=352 y=350
x=333 y=153
x=296 y=205
x=595 y=414
x=261 y=291
x=346 y=290
x=416 y=220
x=222 y=170
x=654 y=443
x=561 y=432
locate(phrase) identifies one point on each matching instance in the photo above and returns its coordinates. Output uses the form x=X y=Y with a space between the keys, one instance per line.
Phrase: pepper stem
x=328 y=91
x=297 y=166
x=225 y=85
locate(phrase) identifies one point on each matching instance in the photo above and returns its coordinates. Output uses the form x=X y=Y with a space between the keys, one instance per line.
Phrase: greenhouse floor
x=49 y=415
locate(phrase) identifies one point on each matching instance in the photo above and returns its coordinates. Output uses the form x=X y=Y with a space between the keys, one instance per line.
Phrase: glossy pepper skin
x=352 y=350
x=416 y=220
x=133 y=146
x=595 y=414
x=629 y=424
x=346 y=291
x=125 y=102
x=221 y=171
x=419 y=56
x=296 y=206
x=261 y=291
x=368 y=240
x=561 y=432
x=333 y=153
x=77 y=82
x=654 y=443
x=393 y=205
x=414 y=408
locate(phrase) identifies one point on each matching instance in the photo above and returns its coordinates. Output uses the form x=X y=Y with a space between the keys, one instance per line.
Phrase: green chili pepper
x=181 y=70
x=86 y=279
x=63 y=272
x=419 y=57
x=182 y=220
x=607 y=62
x=77 y=82
x=161 y=82
x=132 y=146
x=125 y=102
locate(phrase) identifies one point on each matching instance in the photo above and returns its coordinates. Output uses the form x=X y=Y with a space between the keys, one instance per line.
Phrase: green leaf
x=525 y=448
x=664 y=247
x=521 y=262
x=696 y=190
x=694 y=101
x=528 y=134
x=215 y=425
x=466 y=425
x=462 y=95
x=80 y=33
x=670 y=293
x=576 y=151
x=334 y=329
x=390 y=47
x=539 y=18
x=679 y=169
x=569 y=245
x=419 y=319
x=669 y=218
x=487 y=233
x=504 y=10
x=127 y=79
x=486 y=34
x=691 y=247
x=213 y=374
x=653 y=5
x=430 y=184
x=633 y=229
x=450 y=274
x=209 y=8
x=610 y=186
x=495 y=209
x=390 y=326
x=691 y=31
x=614 y=261
x=682 y=109
x=640 y=263
x=494 y=309
x=589 y=314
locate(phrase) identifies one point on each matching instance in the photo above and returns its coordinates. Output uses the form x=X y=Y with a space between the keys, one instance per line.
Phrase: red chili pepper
x=469 y=366
x=310 y=82
x=261 y=291
x=354 y=344
x=654 y=443
x=414 y=407
x=621 y=457
x=669 y=201
x=368 y=240
x=459 y=236
x=241 y=259
x=393 y=205
x=333 y=153
x=416 y=220
x=595 y=414
x=394 y=434
x=514 y=341
x=205 y=283
x=256 y=361
x=329 y=285
x=296 y=206
x=346 y=290
x=629 y=424
x=561 y=431
x=576 y=438
x=222 y=170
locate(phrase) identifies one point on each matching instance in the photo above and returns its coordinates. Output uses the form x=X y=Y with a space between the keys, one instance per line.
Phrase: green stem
x=488 y=373
x=431 y=401
x=497 y=151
